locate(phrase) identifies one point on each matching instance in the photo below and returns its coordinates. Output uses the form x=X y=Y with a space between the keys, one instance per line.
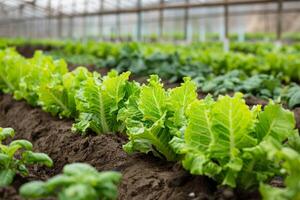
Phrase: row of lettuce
x=267 y=73
x=79 y=181
x=262 y=70
x=223 y=139
x=174 y=62
x=196 y=37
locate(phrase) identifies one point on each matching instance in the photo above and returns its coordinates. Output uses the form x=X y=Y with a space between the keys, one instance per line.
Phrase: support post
x=101 y=8
x=71 y=20
x=59 y=24
x=118 y=20
x=226 y=20
x=186 y=21
x=85 y=29
x=226 y=26
x=279 y=22
x=49 y=29
x=139 y=20
x=161 y=20
x=21 y=9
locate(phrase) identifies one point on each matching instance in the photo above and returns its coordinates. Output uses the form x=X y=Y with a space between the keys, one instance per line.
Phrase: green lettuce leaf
x=289 y=160
x=58 y=95
x=12 y=69
x=79 y=181
x=179 y=99
x=98 y=102
x=16 y=156
x=275 y=122
x=43 y=70
x=146 y=129
x=153 y=115
x=222 y=139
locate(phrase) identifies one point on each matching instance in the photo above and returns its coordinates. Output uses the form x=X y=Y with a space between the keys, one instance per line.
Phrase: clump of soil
x=28 y=50
x=297 y=117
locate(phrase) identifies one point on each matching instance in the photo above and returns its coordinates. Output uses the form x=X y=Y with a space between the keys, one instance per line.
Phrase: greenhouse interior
x=150 y=99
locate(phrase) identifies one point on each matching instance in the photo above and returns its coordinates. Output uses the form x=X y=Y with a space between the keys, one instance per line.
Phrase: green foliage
x=98 y=101
x=79 y=181
x=58 y=95
x=223 y=84
x=78 y=59
x=152 y=116
x=15 y=157
x=222 y=139
x=289 y=160
x=260 y=85
x=43 y=69
x=177 y=61
x=173 y=62
x=292 y=96
x=10 y=71
x=22 y=77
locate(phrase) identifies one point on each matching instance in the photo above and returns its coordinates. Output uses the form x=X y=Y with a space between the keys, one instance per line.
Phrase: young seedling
x=79 y=181
x=15 y=156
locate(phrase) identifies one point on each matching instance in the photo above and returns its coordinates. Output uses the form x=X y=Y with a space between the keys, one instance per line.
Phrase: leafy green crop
x=16 y=156
x=153 y=115
x=222 y=137
x=262 y=86
x=10 y=71
x=41 y=71
x=58 y=95
x=98 y=101
x=289 y=159
x=24 y=76
x=79 y=181
x=292 y=96
x=223 y=84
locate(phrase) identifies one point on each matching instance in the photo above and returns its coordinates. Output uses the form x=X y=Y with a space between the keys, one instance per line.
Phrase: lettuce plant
x=79 y=181
x=42 y=70
x=22 y=77
x=10 y=70
x=261 y=85
x=98 y=101
x=222 y=139
x=292 y=96
x=58 y=95
x=289 y=160
x=152 y=116
x=223 y=84
x=16 y=156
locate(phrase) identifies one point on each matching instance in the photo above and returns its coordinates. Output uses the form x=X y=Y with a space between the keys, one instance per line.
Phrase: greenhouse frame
x=140 y=19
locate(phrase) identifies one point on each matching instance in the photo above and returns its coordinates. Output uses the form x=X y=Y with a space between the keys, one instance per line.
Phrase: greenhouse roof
x=42 y=8
x=22 y=9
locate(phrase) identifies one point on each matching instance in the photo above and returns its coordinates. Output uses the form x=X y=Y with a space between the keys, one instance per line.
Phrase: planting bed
x=144 y=177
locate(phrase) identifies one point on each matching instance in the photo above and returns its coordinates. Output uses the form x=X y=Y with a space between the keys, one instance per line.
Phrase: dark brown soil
x=297 y=117
x=144 y=176
x=28 y=50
